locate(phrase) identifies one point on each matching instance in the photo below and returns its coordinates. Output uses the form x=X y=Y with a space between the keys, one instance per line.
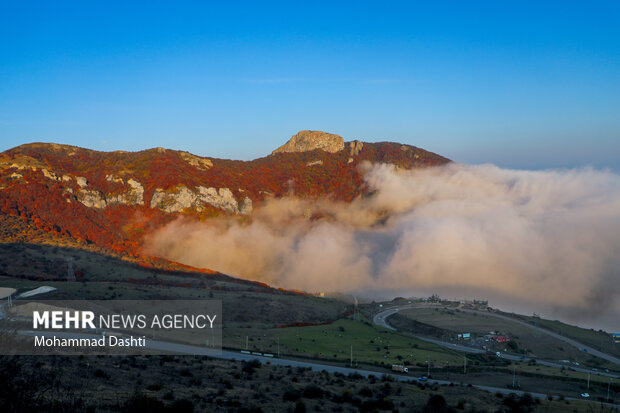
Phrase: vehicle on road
x=400 y=368
x=423 y=378
x=585 y=395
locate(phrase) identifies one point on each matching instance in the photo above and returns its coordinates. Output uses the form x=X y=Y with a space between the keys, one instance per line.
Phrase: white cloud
x=546 y=240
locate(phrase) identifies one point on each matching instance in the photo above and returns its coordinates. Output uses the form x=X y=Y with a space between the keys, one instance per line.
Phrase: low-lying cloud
x=541 y=240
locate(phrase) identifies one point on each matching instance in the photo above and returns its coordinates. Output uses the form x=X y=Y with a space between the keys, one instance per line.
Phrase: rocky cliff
x=307 y=140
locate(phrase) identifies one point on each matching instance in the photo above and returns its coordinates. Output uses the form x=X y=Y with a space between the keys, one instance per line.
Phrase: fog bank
x=548 y=241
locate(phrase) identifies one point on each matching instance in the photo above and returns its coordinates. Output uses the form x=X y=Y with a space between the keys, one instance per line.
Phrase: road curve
x=381 y=320
x=579 y=346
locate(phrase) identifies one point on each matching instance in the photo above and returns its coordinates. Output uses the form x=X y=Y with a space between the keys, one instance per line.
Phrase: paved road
x=233 y=355
x=381 y=320
x=579 y=346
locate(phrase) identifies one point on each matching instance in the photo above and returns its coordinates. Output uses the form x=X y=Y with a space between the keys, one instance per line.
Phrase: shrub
x=100 y=374
x=182 y=406
x=141 y=403
x=300 y=406
x=365 y=392
x=437 y=404
x=290 y=395
x=313 y=392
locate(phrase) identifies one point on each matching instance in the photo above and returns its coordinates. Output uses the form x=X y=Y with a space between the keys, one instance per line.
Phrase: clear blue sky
x=519 y=84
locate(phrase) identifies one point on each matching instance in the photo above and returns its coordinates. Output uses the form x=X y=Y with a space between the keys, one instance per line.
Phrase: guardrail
x=256 y=353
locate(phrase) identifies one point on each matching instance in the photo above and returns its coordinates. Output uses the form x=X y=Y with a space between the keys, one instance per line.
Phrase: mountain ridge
x=113 y=199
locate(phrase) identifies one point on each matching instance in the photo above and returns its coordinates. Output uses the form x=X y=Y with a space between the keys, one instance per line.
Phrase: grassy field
x=459 y=321
x=568 y=373
x=599 y=340
x=371 y=344
x=525 y=340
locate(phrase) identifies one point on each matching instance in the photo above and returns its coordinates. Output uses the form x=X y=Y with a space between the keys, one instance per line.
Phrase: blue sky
x=519 y=84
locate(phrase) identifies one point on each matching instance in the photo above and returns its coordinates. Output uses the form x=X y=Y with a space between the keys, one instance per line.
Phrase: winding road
x=381 y=320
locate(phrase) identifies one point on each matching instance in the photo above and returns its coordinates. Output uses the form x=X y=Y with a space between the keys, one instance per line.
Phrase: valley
x=71 y=231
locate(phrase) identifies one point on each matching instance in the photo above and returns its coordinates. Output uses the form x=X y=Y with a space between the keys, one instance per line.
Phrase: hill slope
x=113 y=199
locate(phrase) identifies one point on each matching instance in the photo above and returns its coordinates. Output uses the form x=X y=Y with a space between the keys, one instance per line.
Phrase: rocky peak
x=307 y=140
x=356 y=147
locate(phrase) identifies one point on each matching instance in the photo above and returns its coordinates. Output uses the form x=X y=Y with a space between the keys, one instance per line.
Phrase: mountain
x=307 y=140
x=111 y=200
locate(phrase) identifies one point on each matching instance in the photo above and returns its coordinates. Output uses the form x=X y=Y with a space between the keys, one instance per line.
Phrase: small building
x=501 y=339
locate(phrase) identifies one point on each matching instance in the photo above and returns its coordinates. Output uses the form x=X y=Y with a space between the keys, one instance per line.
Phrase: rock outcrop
x=223 y=198
x=181 y=197
x=50 y=175
x=245 y=207
x=310 y=140
x=173 y=201
x=196 y=161
x=93 y=198
x=356 y=147
x=133 y=196
x=112 y=178
x=81 y=181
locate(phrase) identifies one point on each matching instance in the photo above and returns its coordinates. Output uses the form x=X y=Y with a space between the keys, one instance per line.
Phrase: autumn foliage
x=50 y=204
